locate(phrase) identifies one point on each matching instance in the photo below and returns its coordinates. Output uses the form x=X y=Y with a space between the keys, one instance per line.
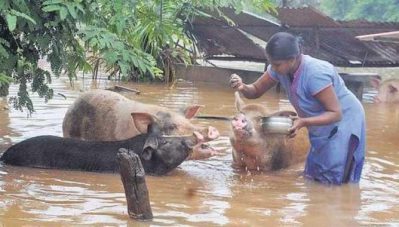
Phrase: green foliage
x=135 y=39
x=296 y=3
x=371 y=10
x=375 y=10
x=4 y=84
x=150 y=35
x=32 y=30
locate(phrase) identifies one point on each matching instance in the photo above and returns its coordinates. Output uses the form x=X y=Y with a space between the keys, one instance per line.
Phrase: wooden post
x=133 y=179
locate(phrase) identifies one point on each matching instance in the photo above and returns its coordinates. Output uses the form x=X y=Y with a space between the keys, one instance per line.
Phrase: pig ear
x=375 y=83
x=392 y=89
x=190 y=111
x=150 y=145
x=239 y=103
x=142 y=121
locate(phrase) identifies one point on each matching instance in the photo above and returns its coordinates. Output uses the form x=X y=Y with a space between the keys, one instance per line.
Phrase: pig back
x=106 y=116
x=100 y=115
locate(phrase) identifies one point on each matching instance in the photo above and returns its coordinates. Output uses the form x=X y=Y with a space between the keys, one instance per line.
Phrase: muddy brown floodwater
x=198 y=193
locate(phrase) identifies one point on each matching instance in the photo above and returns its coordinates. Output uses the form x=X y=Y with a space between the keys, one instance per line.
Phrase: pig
x=159 y=154
x=388 y=90
x=256 y=150
x=104 y=115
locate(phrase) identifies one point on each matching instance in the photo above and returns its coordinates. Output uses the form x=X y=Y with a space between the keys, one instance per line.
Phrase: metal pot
x=276 y=124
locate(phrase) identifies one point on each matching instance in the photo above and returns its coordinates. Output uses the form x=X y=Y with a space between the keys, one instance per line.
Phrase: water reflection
x=197 y=193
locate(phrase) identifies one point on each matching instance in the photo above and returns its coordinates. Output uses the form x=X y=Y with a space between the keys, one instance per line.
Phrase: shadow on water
x=198 y=193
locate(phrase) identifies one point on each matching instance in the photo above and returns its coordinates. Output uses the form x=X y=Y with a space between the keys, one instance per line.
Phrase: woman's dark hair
x=283 y=46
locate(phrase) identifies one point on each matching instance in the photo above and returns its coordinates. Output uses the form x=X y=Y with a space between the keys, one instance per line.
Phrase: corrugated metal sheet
x=305 y=17
x=217 y=37
x=224 y=40
x=324 y=38
x=262 y=28
x=335 y=41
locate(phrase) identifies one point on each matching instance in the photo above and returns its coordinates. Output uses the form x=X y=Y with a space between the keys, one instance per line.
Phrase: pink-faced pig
x=255 y=149
x=106 y=116
x=388 y=90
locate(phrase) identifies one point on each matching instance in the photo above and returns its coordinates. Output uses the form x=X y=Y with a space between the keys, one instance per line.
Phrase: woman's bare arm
x=333 y=113
x=254 y=90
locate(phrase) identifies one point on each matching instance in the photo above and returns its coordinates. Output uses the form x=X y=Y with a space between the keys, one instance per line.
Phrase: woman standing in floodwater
x=333 y=115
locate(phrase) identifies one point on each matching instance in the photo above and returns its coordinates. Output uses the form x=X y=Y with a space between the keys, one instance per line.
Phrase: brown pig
x=254 y=149
x=106 y=116
x=388 y=90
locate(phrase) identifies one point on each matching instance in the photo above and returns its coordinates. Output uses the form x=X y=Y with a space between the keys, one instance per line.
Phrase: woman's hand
x=236 y=82
x=297 y=124
x=333 y=113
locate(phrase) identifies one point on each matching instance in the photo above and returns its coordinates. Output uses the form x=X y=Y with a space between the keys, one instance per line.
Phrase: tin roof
x=305 y=17
x=225 y=40
x=324 y=38
x=215 y=36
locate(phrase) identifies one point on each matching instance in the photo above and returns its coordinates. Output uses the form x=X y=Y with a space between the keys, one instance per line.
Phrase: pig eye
x=163 y=142
x=169 y=128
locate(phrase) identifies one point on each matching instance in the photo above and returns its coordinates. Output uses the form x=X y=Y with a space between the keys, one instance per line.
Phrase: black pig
x=159 y=154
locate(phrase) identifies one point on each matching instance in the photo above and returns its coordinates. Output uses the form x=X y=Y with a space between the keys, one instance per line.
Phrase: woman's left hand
x=297 y=124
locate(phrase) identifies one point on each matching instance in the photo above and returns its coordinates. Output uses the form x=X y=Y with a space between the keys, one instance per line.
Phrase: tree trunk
x=133 y=179
x=4 y=89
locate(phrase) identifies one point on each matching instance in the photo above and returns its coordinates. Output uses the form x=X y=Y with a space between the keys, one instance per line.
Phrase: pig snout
x=207 y=134
x=239 y=122
x=241 y=126
x=213 y=133
x=202 y=150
